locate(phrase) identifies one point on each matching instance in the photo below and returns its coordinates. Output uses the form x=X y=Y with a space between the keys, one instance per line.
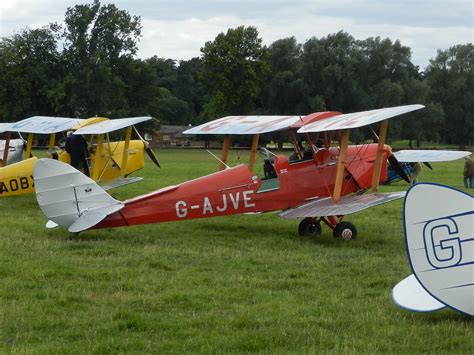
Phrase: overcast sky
x=178 y=29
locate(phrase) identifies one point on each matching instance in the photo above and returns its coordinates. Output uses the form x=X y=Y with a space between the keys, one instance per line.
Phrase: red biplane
x=319 y=186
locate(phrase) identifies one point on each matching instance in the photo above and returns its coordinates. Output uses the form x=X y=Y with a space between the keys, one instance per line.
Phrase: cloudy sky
x=178 y=29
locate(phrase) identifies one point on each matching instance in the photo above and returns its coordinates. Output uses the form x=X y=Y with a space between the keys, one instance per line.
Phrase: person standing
x=468 y=173
x=77 y=148
x=415 y=171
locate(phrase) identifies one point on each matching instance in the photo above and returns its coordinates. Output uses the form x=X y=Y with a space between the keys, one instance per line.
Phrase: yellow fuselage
x=106 y=163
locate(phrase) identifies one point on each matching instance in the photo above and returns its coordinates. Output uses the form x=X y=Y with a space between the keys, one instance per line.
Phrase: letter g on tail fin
x=69 y=198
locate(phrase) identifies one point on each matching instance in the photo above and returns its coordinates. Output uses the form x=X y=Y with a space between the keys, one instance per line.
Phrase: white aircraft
x=11 y=150
x=439 y=233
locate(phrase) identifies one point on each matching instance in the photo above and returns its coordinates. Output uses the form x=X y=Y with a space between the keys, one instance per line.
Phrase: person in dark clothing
x=468 y=173
x=77 y=148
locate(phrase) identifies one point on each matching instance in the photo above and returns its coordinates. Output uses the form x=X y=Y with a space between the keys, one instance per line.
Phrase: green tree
x=165 y=70
x=29 y=63
x=285 y=90
x=451 y=78
x=235 y=68
x=390 y=79
x=330 y=71
x=142 y=91
x=97 y=38
x=146 y=96
x=172 y=110
x=384 y=59
x=190 y=87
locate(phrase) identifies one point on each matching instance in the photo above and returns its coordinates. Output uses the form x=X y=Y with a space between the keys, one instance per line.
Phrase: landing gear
x=312 y=226
x=309 y=226
x=346 y=230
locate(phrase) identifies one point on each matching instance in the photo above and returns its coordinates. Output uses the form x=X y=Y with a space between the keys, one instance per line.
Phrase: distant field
x=226 y=285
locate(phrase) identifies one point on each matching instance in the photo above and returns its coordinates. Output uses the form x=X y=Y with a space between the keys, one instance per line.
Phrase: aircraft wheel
x=346 y=230
x=309 y=226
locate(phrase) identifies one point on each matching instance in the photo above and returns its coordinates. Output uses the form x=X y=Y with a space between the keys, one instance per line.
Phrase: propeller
x=427 y=164
x=268 y=155
x=152 y=155
x=395 y=164
x=55 y=149
x=149 y=151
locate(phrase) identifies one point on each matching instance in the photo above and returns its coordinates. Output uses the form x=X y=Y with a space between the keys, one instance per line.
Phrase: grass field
x=226 y=285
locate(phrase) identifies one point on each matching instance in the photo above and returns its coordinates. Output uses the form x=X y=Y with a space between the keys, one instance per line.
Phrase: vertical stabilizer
x=69 y=198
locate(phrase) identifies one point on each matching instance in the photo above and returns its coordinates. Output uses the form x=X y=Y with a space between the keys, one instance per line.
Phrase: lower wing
x=346 y=205
x=414 y=156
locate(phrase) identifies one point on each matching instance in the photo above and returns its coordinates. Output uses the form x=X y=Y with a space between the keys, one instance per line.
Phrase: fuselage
x=15 y=151
x=237 y=190
x=17 y=178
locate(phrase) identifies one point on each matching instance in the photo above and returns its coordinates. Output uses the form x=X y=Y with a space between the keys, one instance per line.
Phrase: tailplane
x=69 y=198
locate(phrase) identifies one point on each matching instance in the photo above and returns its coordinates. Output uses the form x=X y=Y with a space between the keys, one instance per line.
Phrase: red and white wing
x=357 y=119
x=316 y=122
x=245 y=125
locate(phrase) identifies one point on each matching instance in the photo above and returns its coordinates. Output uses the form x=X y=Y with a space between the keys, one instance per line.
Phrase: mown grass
x=238 y=284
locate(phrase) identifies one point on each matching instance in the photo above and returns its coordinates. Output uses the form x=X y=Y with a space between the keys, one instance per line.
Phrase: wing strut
x=379 y=156
x=253 y=151
x=7 y=149
x=98 y=153
x=225 y=152
x=128 y=136
x=341 y=161
x=29 y=145
x=296 y=147
x=52 y=140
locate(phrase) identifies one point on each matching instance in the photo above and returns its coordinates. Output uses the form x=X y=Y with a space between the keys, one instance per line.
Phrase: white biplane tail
x=69 y=198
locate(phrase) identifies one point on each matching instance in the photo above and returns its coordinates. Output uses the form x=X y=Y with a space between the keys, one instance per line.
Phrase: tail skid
x=69 y=198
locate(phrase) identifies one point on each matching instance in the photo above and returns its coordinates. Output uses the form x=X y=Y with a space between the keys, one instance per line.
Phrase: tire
x=309 y=226
x=345 y=230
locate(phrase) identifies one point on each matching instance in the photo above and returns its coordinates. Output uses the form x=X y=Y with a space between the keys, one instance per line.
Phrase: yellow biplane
x=110 y=162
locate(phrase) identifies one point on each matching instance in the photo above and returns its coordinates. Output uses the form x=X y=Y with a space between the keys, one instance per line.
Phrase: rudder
x=69 y=198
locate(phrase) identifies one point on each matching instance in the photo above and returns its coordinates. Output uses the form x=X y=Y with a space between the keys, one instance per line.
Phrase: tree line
x=88 y=66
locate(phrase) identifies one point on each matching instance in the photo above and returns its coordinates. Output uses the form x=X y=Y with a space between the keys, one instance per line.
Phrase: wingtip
x=409 y=294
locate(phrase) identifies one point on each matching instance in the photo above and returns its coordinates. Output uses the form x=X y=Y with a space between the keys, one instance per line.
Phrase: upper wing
x=357 y=119
x=111 y=125
x=317 y=122
x=257 y=124
x=4 y=127
x=245 y=125
x=413 y=156
x=44 y=124
x=346 y=205
x=313 y=117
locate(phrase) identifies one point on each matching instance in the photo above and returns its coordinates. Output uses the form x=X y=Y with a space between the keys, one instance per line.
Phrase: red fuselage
x=237 y=190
